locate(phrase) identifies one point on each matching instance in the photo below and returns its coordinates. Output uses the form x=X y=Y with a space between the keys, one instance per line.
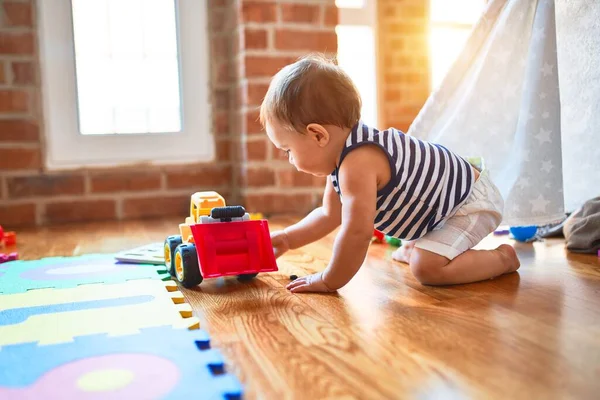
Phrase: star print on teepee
x=523 y=182
x=539 y=34
x=544 y=136
x=547 y=166
x=539 y=204
x=502 y=55
x=545 y=115
x=510 y=91
x=542 y=95
x=547 y=69
x=548 y=185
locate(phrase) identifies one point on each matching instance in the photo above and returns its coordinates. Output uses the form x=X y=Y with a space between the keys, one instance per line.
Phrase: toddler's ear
x=318 y=133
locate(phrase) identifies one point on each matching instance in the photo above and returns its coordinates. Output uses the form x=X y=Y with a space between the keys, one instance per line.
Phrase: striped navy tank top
x=428 y=182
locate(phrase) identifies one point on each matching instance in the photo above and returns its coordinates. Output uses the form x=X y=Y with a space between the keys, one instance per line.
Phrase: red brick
x=16 y=43
x=221 y=99
x=21 y=130
x=279 y=202
x=23 y=73
x=253 y=124
x=287 y=178
x=14 y=159
x=80 y=211
x=300 y=13
x=17 y=215
x=125 y=182
x=216 y=3
x=17 y=13
x=259 y=177
x=222 y=73
x=223 y=150
x=13 y=101
x=217 y=20
x=258 y=11
x=156 y=206
x=221 y=123
x=322 y=41
x=255 y=38
x=2 y=74
x=199 y=177
x=256 y=93
x=256 y=150
x=220 y=47
x=331 y=16
x=265 y=66
x=44 y=185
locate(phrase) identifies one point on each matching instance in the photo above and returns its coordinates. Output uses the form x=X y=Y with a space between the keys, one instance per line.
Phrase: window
x=357 y=51
x=124 y=81
x=451 y=23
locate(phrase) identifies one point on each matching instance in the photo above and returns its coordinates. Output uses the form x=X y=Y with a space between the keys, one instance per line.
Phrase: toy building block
x=217 y=240
x=10 y=238
x=256 y=216
x=13 y=256
x=377 y=236
x=3 y=258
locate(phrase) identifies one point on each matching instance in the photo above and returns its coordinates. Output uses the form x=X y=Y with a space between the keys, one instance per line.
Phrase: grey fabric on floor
x=582 y=228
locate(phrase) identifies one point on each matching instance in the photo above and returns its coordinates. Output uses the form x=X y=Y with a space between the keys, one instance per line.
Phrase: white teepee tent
x=502 y=100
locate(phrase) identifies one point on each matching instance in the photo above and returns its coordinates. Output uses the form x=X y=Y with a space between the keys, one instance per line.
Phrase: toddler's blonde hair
x=312 y=90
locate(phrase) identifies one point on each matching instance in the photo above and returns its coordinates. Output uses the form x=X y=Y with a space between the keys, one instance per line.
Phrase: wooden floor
x=534 y=334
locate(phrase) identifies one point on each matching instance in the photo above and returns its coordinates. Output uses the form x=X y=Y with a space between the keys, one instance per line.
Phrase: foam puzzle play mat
x=92 y=327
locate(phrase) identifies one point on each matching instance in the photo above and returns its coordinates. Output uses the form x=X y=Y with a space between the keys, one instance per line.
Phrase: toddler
x=421 y=192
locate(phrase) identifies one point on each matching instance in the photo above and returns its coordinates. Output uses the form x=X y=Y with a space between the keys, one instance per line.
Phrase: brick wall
x=273 y=34
x=404 y=60
x=250 y=40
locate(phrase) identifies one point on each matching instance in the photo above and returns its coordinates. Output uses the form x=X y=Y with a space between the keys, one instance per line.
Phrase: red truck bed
x=234 y=248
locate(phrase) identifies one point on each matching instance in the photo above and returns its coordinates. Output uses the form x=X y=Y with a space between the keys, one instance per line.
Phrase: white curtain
x=501 y=100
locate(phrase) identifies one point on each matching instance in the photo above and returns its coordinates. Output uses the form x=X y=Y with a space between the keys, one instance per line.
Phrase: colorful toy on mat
x=393 y=241
x=377 y=236
x=160 y=362
x=523 y=233
x=216 y=240
x=502 y=230
x=149 y=254
x=8 y=257
x=68 y=272
x=7 y=238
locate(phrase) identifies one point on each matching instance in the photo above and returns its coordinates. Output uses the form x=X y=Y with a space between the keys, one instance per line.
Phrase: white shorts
x=479 y=216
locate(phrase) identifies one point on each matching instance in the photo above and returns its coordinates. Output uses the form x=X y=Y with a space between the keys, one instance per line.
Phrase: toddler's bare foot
x=403 y=253
x=509 y=256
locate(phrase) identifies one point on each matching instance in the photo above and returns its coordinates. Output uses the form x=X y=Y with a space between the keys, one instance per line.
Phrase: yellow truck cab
x=200 y=205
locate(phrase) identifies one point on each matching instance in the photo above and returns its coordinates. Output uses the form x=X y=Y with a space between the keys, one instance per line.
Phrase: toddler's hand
x=309 y=283
x=280 y=242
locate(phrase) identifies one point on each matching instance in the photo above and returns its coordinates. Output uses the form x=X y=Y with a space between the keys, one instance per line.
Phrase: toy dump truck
x=218 y=240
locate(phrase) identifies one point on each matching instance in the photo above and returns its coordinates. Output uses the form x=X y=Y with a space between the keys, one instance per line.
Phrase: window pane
x=350 y=3
x=445 y=44
x=356 y=56
x=457 y=11
x=127 y=66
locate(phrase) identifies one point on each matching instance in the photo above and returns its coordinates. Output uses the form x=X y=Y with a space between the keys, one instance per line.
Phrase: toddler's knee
x=427 y=267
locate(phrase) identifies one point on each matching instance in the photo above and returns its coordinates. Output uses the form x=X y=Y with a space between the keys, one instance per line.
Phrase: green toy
x=393 y=241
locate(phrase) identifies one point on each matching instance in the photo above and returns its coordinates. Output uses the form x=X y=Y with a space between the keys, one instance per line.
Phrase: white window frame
x=66 y=148
x=364 y=13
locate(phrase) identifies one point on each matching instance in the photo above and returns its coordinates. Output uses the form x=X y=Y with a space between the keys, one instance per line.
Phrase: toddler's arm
x=320 y=222
x=358 y=183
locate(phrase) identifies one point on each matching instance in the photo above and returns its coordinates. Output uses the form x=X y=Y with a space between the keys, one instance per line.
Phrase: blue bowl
x=523 y=233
